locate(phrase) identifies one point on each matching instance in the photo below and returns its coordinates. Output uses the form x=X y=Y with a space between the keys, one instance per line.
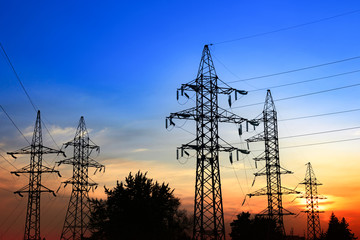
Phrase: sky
x=119 y=63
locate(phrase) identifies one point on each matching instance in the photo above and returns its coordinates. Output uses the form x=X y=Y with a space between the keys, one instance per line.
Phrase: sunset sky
x=119 y=64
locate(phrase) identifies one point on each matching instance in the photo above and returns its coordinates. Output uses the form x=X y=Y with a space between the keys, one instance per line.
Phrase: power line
x=26 y=93
x=288 y=28
x=313 y=144
x=17 y=77
x=295 y=70
x=303 y=95
x=14 y=124
x=317 y=133
x=321 y=143
x=319 y=115
x=305 y=81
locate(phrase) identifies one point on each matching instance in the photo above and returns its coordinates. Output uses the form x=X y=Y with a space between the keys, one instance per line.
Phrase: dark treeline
x=262 y=228
x=141 y=208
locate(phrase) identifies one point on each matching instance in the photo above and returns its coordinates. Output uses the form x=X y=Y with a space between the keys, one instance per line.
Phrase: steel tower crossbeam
x=272 y=169
x=34 y=189
x=312 y=203
x=208 y=206
x=76 y=223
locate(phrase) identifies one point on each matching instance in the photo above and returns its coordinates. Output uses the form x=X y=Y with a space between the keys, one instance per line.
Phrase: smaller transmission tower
x=272 y=169
x=35 y=169
x=78 y=213
x=312 y=203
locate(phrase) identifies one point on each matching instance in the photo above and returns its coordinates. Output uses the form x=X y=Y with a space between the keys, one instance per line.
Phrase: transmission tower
x=208 y=207
x=312 y=203
x=34 y=188
x=78 y=213
x=272 y=169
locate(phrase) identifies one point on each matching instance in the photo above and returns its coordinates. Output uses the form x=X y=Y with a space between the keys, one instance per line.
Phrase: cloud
x=140 y=150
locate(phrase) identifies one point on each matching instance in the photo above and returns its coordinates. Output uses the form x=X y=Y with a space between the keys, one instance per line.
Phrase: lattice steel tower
x=34 y=188
x=208 y=207
x=272 y=169
x=312 y=203
x=78 y=213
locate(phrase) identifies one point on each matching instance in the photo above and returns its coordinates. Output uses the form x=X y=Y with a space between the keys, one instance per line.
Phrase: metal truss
x=76 y=223
x=208 y=206
x=272 y=169
x=34 y=189
x=312 y=203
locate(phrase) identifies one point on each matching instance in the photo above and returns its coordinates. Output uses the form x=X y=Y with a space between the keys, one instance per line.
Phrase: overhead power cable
x=317 y=133
x=302 y=95
x=295 y=70
x=14 y=124
x=319 y=115
x=313 y=144
x=17 y=77
x=305 y=81
x=24 y=89
x=322 y=143
x=288 y=28
x=8 y=161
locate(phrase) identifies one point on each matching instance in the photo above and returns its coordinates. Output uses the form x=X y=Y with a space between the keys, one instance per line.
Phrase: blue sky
x=119 y=63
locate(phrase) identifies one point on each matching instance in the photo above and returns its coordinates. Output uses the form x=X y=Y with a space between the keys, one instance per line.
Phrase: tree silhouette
x=257 y=228
x=139 y=208
x=338 y=230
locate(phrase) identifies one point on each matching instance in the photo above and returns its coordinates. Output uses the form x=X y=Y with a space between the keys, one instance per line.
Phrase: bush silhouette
x=139 y=208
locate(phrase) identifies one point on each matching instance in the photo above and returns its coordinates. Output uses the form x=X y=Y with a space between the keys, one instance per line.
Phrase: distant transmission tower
x=34 y=188
x=76 y=223
x=272 y=169
x=208 y=208
x=312 y=204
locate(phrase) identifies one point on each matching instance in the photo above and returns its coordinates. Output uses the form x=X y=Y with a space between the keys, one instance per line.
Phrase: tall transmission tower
x=34 y=189
x=208 y=207
x=76 y=223
x=312 y=203
x=272 y=169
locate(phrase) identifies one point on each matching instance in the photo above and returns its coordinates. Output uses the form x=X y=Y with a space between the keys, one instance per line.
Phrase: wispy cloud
x=140 y=150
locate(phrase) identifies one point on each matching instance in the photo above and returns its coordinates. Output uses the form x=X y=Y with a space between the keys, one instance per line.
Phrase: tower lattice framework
x=208 y=206
x=34 y=189
x=76 y=223
x=312 y=203
x=272 y=169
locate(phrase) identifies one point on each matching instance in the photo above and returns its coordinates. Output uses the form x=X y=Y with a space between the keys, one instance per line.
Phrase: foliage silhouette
x=338 y=230
x=257 y=228
x=139 y=208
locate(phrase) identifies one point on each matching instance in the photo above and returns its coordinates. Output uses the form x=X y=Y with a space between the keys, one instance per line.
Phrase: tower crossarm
x=191 y=114
x=28 y=150
x=284 y=211
x=27 y=189
x=217 y=148
x=95 y=164
x=312 y=182
x=28 y=169
x=76 y=182
x=76 y=143
x=285 y=190
x=264 y=172
x=257 y=138
x=260 y=192
x=194 y=86
x=229 y=117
